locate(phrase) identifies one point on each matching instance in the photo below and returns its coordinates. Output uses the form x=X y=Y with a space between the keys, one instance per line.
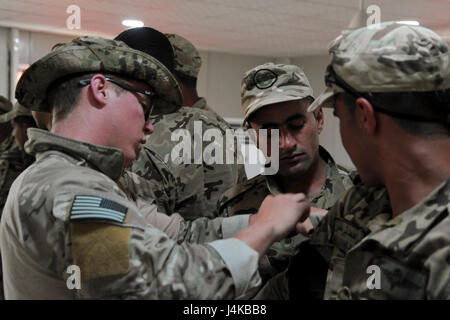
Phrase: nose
x=148 y=128
x=286 y=139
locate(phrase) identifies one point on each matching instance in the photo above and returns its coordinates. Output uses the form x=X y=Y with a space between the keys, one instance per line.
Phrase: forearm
x=258 y=237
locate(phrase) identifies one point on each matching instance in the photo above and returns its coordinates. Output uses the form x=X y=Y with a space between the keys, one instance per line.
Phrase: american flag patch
x=88 y=207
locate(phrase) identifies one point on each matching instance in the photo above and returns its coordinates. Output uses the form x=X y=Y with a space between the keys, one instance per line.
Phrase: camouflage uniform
x=198 y=185
x=66 y=209
x=411 y=250
x=187 y=61
x=263 y=86
x=246 y=198
x=157 y=181
x=13 y=161
x=202 y=105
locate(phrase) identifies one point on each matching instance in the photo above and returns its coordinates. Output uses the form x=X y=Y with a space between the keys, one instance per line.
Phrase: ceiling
x=277 y=28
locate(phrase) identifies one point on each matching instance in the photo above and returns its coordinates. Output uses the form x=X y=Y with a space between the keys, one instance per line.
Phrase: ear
x=319 y=118
x=98 y=90
x=365 y=115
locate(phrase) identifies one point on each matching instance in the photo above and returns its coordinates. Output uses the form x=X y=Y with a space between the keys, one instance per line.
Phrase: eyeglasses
x=264 y=78
x=332 y=78
x=147 y=109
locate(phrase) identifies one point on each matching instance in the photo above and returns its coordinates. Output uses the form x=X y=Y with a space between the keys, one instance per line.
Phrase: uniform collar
x=332 y=174
x=408 y=227
x=201 y=104
x=108 y=160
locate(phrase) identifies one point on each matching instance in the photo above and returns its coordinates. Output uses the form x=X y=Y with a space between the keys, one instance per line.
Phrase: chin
x=128 y=160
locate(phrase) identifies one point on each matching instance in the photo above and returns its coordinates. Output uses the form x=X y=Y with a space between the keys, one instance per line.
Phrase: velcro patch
x=90 y=207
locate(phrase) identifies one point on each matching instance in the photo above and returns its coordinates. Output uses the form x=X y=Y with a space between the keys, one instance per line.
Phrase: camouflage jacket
x=12 y=162
x=374 y=256
x=66 y=213
x=198 y=185
x=157 y=181
x=247 y=197
x=201 y=104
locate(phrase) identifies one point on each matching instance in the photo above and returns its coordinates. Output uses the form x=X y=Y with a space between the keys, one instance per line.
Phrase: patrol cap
x=186 y=56
x=272 y=83
x=17 y=111
x=95 y=54
x=5 y=105
x=387 y=57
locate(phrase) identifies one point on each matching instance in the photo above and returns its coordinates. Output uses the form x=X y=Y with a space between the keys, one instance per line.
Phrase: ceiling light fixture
x=411 y=23
x=132 y=23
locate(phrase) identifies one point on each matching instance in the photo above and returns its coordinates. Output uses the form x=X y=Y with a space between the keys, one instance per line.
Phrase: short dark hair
x=188 y=81
x=64 y=94
x=429 y=104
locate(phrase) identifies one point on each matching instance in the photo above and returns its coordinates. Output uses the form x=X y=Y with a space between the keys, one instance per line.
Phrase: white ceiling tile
x=263 y=27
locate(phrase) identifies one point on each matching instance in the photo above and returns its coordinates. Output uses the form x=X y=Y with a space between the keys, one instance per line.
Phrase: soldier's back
x=199 y=183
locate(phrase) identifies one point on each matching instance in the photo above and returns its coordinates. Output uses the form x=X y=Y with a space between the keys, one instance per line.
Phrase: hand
x=304 y=227
x=318 y=212
x=281 y=213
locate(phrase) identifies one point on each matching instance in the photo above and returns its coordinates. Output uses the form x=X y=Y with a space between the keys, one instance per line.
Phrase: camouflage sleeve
x=151 y=179
x=175 y=226
x=322 y=236
x=438 y=263
x=199 y=230
x=12 y=163
x=121 y=255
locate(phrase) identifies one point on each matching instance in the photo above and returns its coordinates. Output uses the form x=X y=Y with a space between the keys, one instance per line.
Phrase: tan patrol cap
x=187 y=59
x=272 y=83
x=17 y=111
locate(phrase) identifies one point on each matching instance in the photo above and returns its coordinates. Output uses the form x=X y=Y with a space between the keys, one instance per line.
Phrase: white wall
x=35 y=45
x=330 y=138
x=4 y=69
x=220 y=79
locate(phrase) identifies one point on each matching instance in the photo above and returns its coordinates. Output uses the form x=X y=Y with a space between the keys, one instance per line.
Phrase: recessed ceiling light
x=132 y=23
x=411 y=23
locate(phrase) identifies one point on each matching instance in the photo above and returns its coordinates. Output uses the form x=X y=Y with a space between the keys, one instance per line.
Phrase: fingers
x=299 y=197
x=304 y=227
x=319 y=212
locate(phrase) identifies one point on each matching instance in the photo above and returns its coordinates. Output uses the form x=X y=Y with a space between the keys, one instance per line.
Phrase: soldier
x=21 y=119
x=70 y=231
x=276 y=96
x=388 y=237
x=187 y=63
x=198 y=184
x=8 y=148
x=13 y=159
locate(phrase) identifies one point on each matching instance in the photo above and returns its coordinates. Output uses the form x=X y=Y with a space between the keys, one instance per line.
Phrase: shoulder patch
x=90 y=207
